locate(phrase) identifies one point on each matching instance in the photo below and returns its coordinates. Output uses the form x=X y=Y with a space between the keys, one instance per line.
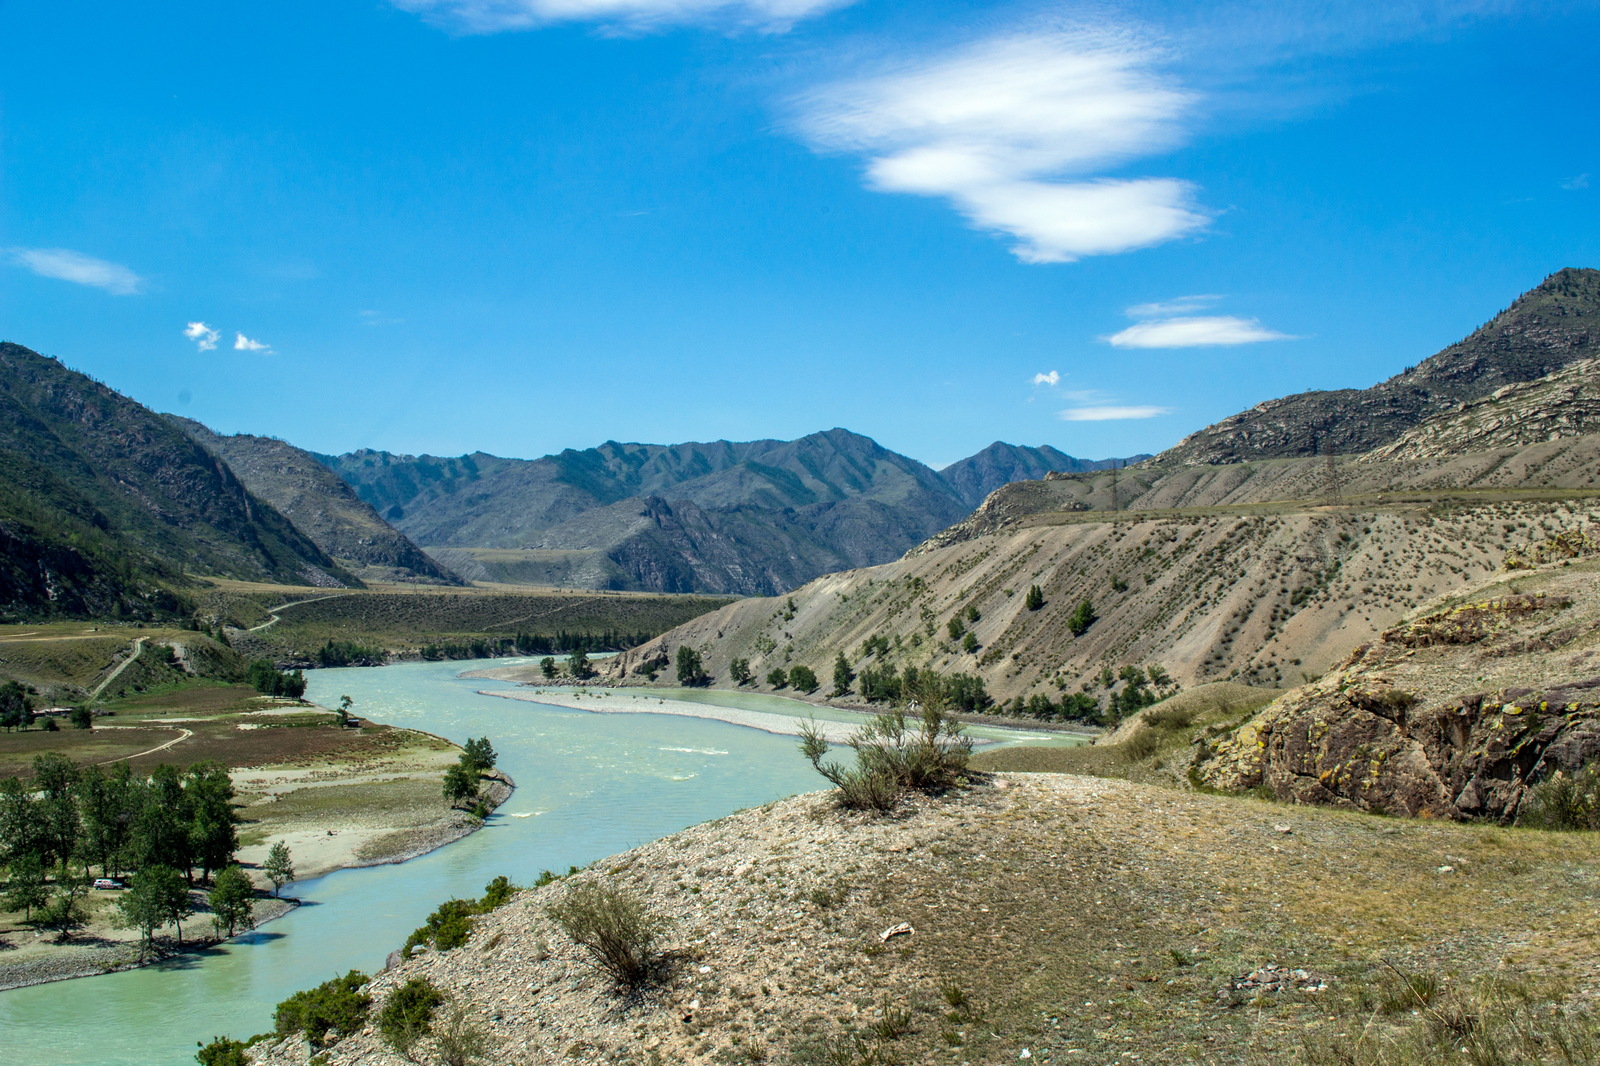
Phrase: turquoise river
x=588 y=785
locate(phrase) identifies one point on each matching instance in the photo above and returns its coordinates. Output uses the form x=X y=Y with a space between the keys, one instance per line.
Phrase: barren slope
x=1051 y=918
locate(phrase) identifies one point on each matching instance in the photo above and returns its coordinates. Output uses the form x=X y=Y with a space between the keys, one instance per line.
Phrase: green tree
x=1034 y=599
x=343 y=710
x=739 y=670
x=479 y=755
x=156 y=897
x=973 y=613
x=16 y=710
x=65 y=911
x=161 y=829
x=578 y=664
x=691 y=671
x=460 y=785
x=843 y=676
x=279 y=866
x=803 y=679
x=547 y=666
x=26 y=890
x=213 y=839
x=969 y=642
x=1082 y=618
x=233 y=901
x=82 y=717
x=955 y=628
x=778 y=677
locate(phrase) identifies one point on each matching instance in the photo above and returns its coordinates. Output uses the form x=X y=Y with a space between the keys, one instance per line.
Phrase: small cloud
x=241 y=343
x=1112 y=413
x=205 y=338
x=378 y=318
x=1052 y=378
x=1183 y=305
x=64 y=264
x=496 y=16
x=1195 y=332
x=1579 y=182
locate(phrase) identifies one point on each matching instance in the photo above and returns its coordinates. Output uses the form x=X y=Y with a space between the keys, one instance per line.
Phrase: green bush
x=1564 y=801
x=407 y=1014
x=222 y=1052
x=449 y=926
x=614 y=926
x=337 y=1007
x=892 y=756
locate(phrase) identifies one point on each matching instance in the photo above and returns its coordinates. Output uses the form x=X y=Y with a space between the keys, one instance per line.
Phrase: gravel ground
x=1071 y=918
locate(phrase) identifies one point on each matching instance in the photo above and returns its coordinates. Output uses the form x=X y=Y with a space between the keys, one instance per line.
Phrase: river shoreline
x=92 y=955
x=528 y=677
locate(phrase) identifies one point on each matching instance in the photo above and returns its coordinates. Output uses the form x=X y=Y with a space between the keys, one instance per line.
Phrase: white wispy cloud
x=1052 y=378
x=1017 y=133
x=67 y=265
x=1112 y=413
x=241 y=343
x=205 y=338
x=496 y=16
x=1572 y=184
x=1200 y=331
x=1183 y=305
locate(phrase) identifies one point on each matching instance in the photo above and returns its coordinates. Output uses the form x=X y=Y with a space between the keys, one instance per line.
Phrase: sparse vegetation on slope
x=1070 y=917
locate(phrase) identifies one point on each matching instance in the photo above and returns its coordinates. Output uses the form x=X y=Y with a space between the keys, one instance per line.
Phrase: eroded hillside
x=1453 y=713
x=1267 y=598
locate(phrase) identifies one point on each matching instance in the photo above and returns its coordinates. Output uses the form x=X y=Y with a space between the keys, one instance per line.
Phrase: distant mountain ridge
x=106 y=506
x=751 y=517
x=1545 y=329
x=320 y=504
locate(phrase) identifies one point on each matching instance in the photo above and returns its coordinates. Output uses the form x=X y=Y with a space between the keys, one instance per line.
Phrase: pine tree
x=1035 y=598
x=842 y=675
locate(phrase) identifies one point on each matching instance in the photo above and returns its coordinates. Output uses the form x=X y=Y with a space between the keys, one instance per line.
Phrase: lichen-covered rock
x=1453 y=714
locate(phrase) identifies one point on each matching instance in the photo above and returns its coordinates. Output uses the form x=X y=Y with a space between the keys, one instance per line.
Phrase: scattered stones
x=1274 y=979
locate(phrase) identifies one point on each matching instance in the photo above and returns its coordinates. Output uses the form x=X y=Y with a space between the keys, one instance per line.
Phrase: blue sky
x=524 y=225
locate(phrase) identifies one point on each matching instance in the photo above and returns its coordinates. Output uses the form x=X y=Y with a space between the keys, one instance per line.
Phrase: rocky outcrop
x=1544 y=330
x=1454 y=714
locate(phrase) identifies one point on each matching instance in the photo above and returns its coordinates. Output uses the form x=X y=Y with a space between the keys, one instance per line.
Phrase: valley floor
x=1051 y=918
x=339 y=798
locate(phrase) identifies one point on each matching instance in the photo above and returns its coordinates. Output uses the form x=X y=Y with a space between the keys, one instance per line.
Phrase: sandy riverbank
x=612 y=702
x=382 y=805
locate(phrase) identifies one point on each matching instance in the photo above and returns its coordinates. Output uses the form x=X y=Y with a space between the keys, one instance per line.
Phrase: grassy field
x=404 y=618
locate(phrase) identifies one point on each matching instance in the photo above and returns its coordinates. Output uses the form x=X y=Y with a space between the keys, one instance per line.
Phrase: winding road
x=285 y=606
x=138 y=649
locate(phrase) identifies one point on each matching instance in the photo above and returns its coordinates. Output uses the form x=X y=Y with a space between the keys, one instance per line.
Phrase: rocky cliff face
x=1454 y=713
x=1545 y=329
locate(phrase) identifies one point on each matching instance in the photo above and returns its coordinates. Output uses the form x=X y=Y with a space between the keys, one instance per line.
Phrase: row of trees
x=68 y=820
x=561 y=642
x=268 y=680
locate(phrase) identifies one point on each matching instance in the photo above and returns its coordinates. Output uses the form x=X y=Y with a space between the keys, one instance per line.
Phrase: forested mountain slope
x=320 y=505
x=105 y=505
x=1547 y=328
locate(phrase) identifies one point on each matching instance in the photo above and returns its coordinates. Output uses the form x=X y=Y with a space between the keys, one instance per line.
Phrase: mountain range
x=752 y=517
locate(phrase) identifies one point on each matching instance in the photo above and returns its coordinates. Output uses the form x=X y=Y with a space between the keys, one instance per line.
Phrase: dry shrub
x=613 y=925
